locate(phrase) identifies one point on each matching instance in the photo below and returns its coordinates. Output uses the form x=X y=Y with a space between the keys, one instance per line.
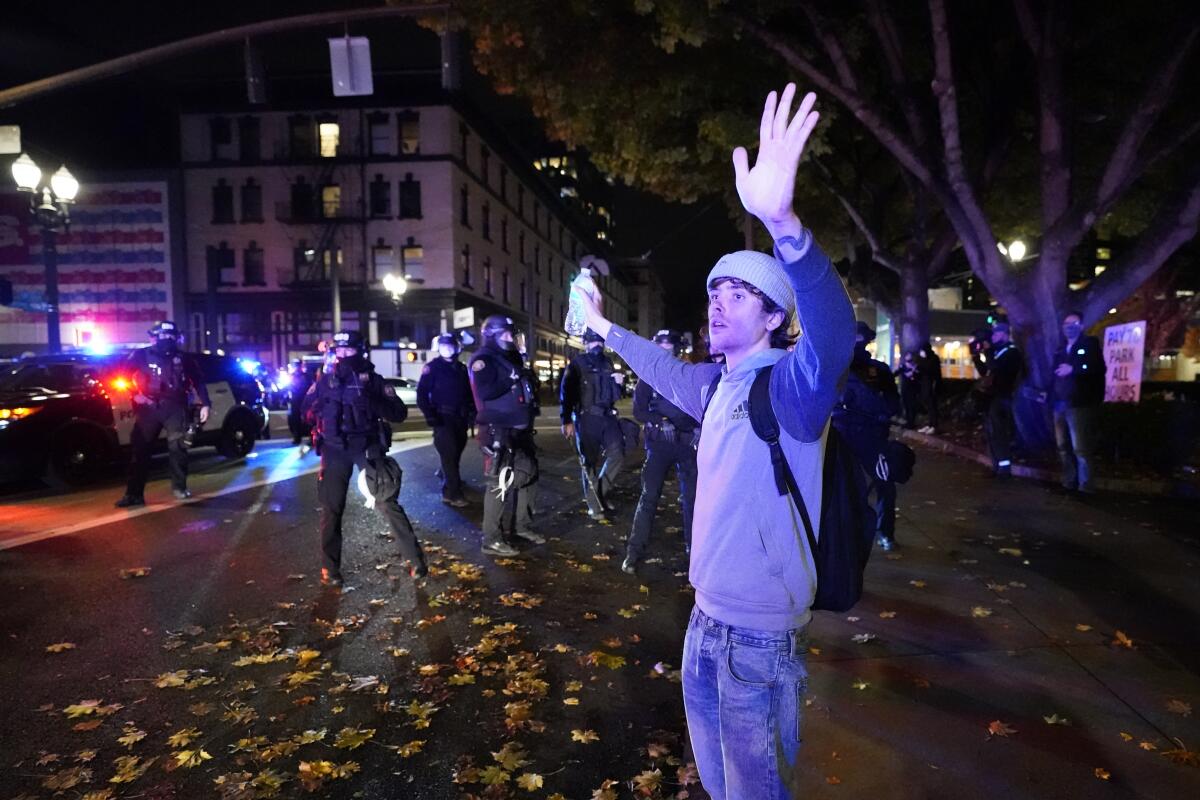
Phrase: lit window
x=331 y=201
x=328 y=133
x=1100 y=269
x=1104 y=254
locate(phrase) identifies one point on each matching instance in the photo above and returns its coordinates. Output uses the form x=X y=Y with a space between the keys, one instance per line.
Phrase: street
x=1017 y=644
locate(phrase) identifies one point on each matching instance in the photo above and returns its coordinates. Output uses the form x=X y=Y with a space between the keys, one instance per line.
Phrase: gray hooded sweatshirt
x=750 y=565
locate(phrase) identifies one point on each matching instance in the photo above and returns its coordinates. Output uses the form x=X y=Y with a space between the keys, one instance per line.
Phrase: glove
x=667 y=430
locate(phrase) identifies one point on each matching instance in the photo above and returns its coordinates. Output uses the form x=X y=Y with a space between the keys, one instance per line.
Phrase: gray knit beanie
x=760 y=271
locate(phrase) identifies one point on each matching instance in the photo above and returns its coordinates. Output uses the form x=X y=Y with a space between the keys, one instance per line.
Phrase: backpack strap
x=766 y=427
x=712 y=391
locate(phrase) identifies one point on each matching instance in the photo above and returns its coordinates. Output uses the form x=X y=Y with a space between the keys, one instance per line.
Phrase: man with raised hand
x=744 y=669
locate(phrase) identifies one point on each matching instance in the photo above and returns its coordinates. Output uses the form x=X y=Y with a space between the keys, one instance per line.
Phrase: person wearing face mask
x=505 y=405
x=588 y=395
x=1002 y=373
x=670 y=437
x=163 y=376
x=1079 y=371
x=444 y=397
x=351 y=405
x=863 y=416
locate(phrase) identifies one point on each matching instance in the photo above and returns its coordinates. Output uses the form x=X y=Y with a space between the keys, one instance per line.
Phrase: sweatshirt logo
x=740 y=411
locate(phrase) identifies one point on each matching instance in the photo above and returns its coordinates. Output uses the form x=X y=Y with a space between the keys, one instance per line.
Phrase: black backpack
x=847 y=519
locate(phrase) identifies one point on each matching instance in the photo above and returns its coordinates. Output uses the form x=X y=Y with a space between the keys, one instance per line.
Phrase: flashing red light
x=120 y=384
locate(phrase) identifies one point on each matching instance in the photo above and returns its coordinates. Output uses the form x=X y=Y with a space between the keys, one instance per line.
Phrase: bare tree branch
x=832 y=45
x=1028 y=24
x=1052 y=132
x=889 y=43
x=878 y=253
x=1174 y=225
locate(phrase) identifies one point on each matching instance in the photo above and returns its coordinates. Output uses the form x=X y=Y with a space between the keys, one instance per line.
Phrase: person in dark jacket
x=444 y=397
x=588 y=395
x=1002 y=373
x=670 y=437
x=1079 y=371
x=910 y=389
x=929 y=379
x=505 y=405
x=163 y=378
x=863 y=416
x=352 y=406
x=299 y=381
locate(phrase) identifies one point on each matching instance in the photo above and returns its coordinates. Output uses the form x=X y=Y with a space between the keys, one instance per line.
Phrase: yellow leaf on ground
x=918 y=584
x=134 y=572
x=570 y=701
x=1055 y=719
x=82 y=708
x=191 y=758
x=352 y=738
x=586 y=737
x=530 y=781
x=1179 y=707
x=1126 y=737
x=860 y=684
x=607 y=791
x=1121 y=640
x=1102 y=773
x=1083 y=628
x=980 y=612
x=183 y=737
x=411 y=748
x=833 y=780
x=305 y=656
x=998 y=728
x=60 y=647
x=492 y=775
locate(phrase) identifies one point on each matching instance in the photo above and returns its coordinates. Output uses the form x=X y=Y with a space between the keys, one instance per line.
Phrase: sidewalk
x=1006 y=606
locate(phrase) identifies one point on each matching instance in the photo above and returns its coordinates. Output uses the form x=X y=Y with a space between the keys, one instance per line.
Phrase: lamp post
x=49 y=203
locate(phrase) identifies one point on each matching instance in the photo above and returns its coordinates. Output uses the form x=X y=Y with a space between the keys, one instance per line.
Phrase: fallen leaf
x=60 y=647
x=1102 y=773
x=411 y=748
x=1011 y=551
x=1055 y=719
x=530 y=781
x=1126 y=737
x=1179 y=707
x=184 y=737
x=887 y=614
x=918 y=584
x=352 y=738
x=67 y=778
x=82 y=708
x=606 y=791
x=134 y=572
x=1083 y=628
x=998 y=728
x=860 y=684
x=492 y=775
x=191 y=758
x=570 y=701
x=981 y=612
x=310 y=736
x=1182 y=755
x=833 y=780
x=1121 y=640
x=90 y=725
x=305 y=656
x=1148 y=745
x=862 y=638
x=586 y=737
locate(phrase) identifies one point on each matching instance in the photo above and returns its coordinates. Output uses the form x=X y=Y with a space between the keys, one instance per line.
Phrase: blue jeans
x=743 y=691
x=1075 y=434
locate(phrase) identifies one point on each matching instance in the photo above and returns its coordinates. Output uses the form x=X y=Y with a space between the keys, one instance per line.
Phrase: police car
x=68 y=418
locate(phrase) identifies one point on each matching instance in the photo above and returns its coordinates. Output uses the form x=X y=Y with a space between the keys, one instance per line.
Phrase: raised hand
x=766 y=188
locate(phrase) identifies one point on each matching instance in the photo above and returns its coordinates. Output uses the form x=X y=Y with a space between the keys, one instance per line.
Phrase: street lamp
x=395 y=285
x=49 y=203
x=1014 y=251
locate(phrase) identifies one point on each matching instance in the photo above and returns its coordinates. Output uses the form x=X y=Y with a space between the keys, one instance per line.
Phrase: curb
x=1166 y=488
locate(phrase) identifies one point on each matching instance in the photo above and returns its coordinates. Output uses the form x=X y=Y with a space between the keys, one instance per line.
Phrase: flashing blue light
x=249 y=365
x=100 y=349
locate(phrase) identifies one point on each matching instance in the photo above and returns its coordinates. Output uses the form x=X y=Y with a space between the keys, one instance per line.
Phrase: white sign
x=10 y=139
x=1124 y=347
x=350 y=63
x=464 y=318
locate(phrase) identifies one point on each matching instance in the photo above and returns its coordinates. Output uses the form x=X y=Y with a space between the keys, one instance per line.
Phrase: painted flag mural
x=114 y=267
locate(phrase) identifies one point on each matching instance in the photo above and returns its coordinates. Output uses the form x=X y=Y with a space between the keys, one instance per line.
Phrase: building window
x=221 y=138
x=524 y=302
x=252 y=202
x=410 y=198
x=409 y=132
x=219 y=261
x=504 y=284
x=254 y=265
x=378 y=135
x=249 y=139
x=537 y=302
x=537 y=259
x=222 y=203
x=464 y=206
x=521 y=201
x=537 y=217
x=383 y=260
x=485 y=221
x=412 y=259
x=303 y=206
x=485 y=161
x=504 y=234
x=301 y=141
x=464 y=263
x=521 y=246
x=504 y=183
x=331 y=201
x=464 y=136
x=329 y=134
x=487 y=276
x=381 y=197
x=303 y=259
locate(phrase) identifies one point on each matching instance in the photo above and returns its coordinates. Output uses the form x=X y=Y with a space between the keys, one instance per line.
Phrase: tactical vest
x=346 y=412
x=513 y=408
x=663 y=407
x=166 y=377
x=597 y=387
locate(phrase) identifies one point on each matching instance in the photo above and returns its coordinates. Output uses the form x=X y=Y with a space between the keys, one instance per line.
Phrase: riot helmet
x=165 y=336
x=669 y=340
x=447 y=345
x=499 y=331
x=350 y=349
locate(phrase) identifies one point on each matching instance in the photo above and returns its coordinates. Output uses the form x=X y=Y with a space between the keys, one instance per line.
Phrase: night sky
x=131 y=121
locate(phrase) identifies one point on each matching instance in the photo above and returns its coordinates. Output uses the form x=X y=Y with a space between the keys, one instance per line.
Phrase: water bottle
x=576 y=322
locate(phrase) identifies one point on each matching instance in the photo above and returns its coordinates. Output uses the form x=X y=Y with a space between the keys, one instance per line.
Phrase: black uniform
x=588 y=394
x=1001 y=373
x=165 y=377
x=863 y=417
x=505 y=405
x=670 y=441
x=350 y=405
x=301 y=379
x=444 y=397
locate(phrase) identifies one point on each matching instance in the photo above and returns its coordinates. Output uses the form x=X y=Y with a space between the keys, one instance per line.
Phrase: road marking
x=277 y=476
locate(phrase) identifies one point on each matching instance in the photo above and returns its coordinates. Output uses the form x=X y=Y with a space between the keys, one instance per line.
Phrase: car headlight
x=21 y=412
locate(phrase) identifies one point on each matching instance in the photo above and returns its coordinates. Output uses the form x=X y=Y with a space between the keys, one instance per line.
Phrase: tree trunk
x=914 y=305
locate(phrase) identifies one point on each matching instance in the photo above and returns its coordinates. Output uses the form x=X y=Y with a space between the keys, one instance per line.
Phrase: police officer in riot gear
x=588 y=394
x=671 y=437
x=863 y=416
x=162 y=377
x=298 y=382
x=505 y=405
x=1002 y=372
x=444 y=397
x=352 y=406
